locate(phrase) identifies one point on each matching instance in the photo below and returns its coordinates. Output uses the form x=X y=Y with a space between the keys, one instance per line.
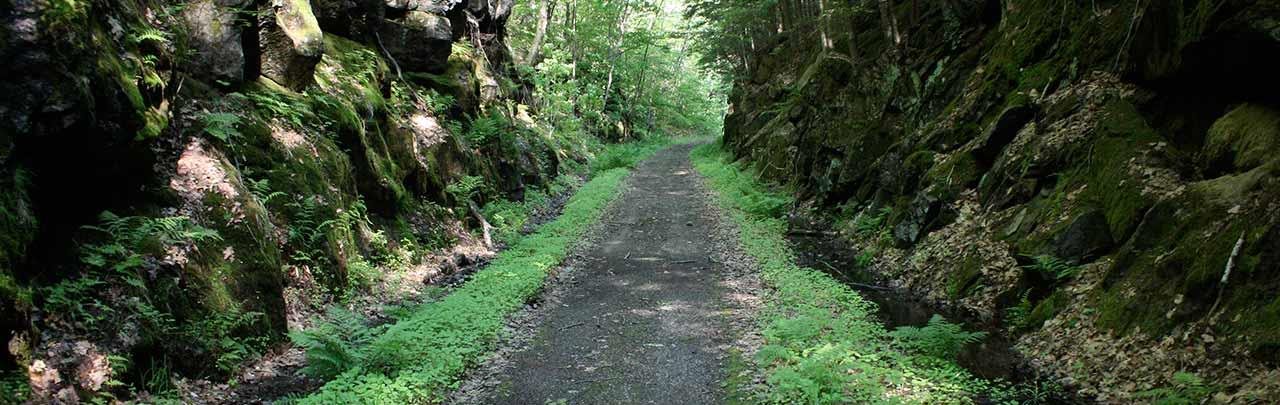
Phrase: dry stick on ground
x=856 y=285
x=1226 y=273
x=389 y=57
x=599 y=380
x=810 y=232
x=572 y=326
x=484 y=224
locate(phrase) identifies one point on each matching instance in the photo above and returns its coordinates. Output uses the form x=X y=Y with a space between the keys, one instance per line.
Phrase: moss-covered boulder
x=214 y=30
x=1183 y=260
x=1246 y=137
x=1085 y=238
x=291 y=43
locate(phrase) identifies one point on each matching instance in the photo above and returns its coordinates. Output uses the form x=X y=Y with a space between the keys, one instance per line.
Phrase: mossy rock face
x=421 y=41
x=214 y=33
x=991 y=143
x=921 y=216
x=458 y=80
x=1047 y=308
x=1178 y=255
x=315 y=181
x=18 y=227
x=362 y=116
x=962 y=282
x=1085 y=238
x=955 y=173
x=1246 y=137
x=243 y=272
x=1106 y=173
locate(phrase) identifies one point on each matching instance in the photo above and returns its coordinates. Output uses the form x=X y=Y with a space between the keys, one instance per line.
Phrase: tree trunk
x=544 y=20
x=614 y=53
x=643 y=73
x=890 y=23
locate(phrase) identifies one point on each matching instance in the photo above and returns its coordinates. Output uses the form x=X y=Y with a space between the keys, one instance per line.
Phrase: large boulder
x=291 y=42
x=921 y=217
x=420 y=42
x=495 y=11
x=1005 y=128
x=430 y=6
x=1085 y=239
x=337 y=16
x=215 y=34
x=1246 y=137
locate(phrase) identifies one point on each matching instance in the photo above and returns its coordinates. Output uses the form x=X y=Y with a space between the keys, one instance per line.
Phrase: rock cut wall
x=169 y=168
x=1131 y=143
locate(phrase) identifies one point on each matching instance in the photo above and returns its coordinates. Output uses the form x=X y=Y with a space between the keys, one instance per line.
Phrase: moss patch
x=1047 y=308
x=1175 y=261
x=954 y=174
x=1248 y=137
x=965 y=280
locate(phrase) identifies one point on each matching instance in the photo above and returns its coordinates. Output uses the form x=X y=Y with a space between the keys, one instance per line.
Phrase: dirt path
x=643 y=318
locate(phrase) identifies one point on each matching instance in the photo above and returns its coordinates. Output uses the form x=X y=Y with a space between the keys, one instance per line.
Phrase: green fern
x=275 y=105
x=1187 y=389
x=439 y=103
x=333 y=345
x=118 y=264
x=222 y=126
x=309 y=230
x=869 y=224
x=938 y=338
x=865 y=259
x=1017 y=317
x=74 y=300
x=261 y=189
x=485 y=128
x=129 y=240
x=1053 y=268
x=466 y=188
x=149 y=34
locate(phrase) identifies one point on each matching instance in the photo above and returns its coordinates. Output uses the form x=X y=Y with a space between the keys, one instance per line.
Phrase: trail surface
x=643 y=319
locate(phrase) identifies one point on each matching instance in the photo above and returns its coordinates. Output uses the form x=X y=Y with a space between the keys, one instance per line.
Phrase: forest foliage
x=624 y=69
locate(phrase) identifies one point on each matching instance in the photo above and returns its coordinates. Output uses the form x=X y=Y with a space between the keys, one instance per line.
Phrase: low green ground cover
x=420 y=358
x=823 y=343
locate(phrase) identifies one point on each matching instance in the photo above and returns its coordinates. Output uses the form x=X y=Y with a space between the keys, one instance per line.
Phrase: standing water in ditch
x=992 y=358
